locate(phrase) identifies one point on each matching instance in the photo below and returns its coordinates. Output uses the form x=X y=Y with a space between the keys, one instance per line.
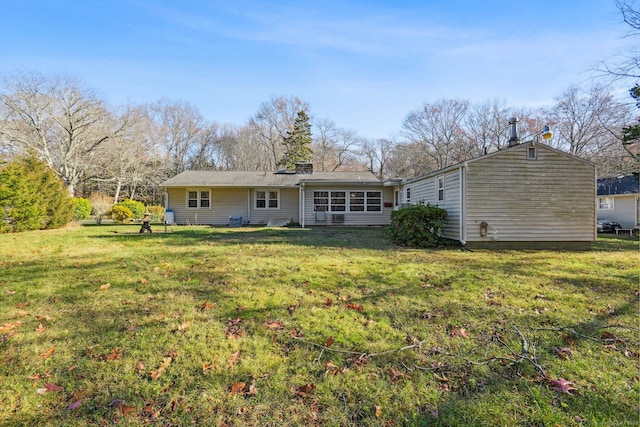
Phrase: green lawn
x=100 y=325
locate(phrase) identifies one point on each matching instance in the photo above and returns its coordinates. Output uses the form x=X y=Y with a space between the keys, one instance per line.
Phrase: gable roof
x=619 y=185
x=263 y=179
x=496 y=153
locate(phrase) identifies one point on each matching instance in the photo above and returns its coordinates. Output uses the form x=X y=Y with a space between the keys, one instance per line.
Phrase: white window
x=365 y=201
x=330 y=201
x=358 y=201
x=605 y=203
x=267 y=199
x=198 y=199
x=531 y=153
x=407 y=198
x=440 y=188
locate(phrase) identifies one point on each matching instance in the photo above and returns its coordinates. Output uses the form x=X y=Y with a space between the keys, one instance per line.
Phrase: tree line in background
x=126 y=152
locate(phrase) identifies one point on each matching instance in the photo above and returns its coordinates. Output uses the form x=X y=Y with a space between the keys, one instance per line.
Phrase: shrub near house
x=417 y=225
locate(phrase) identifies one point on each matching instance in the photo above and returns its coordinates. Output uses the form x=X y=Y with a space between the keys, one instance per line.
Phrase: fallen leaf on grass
x=244 y=390
x=165 y=364
x=330 y=341
x=183 y=326
x=121 y=407
x=237 y=388
x=47 y=354
x=327 y=302
x=568 y=339
x=22 y=304
x=233 y=359
x=563 y=352
x=303 y=390
x=104 y=287
x=459 y=332
x=115 y=354
x=233 y=329
x=9 y=326
x=21 y=313
x=562 y=385
x=208 y=366
x=76 y=404
x=333 y=369
x=143 y=281
x=40 y=328
x=352 y=306
x=274 y=325
x=396 y=375
x=206 y=305
x=48 y=387
x=45 y=317
x=378 y=411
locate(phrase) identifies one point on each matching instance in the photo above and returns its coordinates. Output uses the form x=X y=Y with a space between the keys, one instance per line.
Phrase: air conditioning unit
x=337 y=218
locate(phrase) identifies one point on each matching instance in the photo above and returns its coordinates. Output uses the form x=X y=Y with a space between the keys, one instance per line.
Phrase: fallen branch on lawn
x=359 y=354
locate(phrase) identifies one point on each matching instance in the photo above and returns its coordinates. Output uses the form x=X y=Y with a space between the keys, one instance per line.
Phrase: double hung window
x=198 y=199
x=267 y=199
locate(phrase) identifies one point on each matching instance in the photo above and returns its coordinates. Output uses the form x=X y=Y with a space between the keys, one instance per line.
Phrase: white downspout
x=462 y=205
x=248 y=206
x=301 y=208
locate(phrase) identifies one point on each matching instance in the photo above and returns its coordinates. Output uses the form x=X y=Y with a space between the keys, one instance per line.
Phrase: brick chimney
x=304 y=168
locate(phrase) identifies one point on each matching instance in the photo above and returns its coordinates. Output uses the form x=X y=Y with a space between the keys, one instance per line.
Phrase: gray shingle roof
x=267 y=179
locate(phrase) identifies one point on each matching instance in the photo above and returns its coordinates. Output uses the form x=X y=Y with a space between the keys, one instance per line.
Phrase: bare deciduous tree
x=271 y=124
x=438 y=130
x=59 y=119
x=334 y=147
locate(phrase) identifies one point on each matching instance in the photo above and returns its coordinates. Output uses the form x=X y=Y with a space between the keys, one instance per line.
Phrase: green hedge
x=136 y=208
x=417 y=226
x=81 y=208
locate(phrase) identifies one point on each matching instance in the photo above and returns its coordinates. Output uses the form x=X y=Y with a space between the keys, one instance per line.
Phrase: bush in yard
x=32 y=197
x=417 y=226
x=120 y=213
x=137 y=208
x=157 y=213
x=81 y=208
x=100 y=205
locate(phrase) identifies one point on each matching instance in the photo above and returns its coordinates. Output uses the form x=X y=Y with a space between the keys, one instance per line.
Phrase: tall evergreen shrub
x=32 y=197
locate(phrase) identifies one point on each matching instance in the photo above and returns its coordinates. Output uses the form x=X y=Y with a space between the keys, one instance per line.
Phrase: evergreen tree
x=32 y=197
x=297 y=142
x=631 y=134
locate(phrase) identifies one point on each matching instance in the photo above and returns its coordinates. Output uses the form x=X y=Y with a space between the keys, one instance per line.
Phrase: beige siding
x=224 y=203
x=551 y=198
x=426 y=191
x=350 y=218
x=288 y=207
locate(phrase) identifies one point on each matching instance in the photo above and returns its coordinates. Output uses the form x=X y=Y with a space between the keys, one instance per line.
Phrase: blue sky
x=362 y=64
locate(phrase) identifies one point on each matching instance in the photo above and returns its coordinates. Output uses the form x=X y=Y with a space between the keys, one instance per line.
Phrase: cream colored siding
x=224 y=203
x=426 y=191
x=287 y=208
x=550 y=198
x=350 y=218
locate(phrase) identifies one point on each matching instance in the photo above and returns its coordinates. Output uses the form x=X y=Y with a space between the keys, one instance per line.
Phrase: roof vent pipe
x=513 y=132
